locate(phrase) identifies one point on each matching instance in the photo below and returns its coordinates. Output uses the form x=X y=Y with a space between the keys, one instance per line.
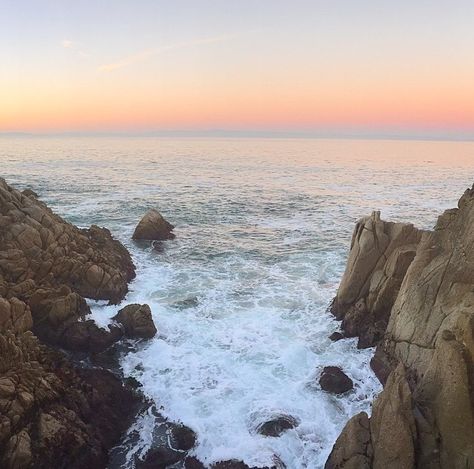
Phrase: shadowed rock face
x=51 y=413
x=424 y=417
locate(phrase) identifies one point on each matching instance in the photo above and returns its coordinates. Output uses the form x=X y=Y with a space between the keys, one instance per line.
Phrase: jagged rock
x=153 y=227
x=30 y=193
x=334 y=380
x=38 y=245
x=353 y=448
x=424 y=417
x=137 y=321
x=51 y=413
x=379 y=257
x=276 y=426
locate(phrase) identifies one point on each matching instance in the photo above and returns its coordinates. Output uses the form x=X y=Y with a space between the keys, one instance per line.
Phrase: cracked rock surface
x=53 y=414
x=424 y=417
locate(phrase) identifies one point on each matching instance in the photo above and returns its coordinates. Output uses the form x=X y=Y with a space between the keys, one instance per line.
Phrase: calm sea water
x=240 y=297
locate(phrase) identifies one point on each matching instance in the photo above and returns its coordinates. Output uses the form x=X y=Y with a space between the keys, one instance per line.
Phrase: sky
x=334 y=67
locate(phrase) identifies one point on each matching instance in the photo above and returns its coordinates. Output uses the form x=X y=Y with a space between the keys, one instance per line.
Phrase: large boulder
x=153 y=227
x=137 y=321
x=334 y=380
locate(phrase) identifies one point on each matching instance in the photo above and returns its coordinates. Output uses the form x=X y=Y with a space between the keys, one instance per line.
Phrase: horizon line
x=220 y=133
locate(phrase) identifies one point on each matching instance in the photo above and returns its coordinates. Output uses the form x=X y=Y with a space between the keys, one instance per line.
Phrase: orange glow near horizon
x=365 y=69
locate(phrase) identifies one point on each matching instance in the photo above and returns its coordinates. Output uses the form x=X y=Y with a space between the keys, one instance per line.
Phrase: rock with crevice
x=379 y=257
x=52 y=413
x=137 y=321
x=424 y=417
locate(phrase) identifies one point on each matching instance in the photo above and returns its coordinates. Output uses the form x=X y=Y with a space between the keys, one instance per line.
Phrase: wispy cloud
x=67 y=44
x=147 y=53
x=75 y=46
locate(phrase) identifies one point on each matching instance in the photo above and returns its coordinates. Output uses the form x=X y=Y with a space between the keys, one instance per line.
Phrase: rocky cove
x=405 y=290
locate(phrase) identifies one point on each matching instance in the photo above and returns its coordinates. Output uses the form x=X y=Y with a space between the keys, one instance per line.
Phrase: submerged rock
x=276 y=426
x=153 y=227
x=335 y=336
x=137 y=321
x=182 y=437
x=334 y=380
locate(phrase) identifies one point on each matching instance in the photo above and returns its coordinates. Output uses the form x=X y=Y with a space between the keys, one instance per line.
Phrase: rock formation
x=136 y=321
x=334 y=380
x=424 y=417
x=277 y=425
x=153 y=227
x=378 y=260
x=52 y=413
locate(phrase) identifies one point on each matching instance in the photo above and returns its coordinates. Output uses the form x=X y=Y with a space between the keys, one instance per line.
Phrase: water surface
x=240 y=297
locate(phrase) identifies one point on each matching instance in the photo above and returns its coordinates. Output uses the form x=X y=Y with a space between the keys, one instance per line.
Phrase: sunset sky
x=368 y=67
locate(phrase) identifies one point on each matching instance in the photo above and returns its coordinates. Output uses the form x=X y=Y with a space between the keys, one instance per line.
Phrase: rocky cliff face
x=53 y=414
x=424 y=417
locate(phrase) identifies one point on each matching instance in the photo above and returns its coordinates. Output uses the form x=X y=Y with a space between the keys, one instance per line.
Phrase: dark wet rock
x=160 y=458
x=137 y=321
x=334 y=380
x=335 y=336
x=153 y=227
x=182 y=437
x=192 y=462
x=230 y=464
x=236 y=464
x=190 y=302
x=276 y=426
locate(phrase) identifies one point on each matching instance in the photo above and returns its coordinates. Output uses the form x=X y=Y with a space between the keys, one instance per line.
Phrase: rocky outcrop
x=37 y=245
x=153 y=227
x=424 y=417
x=137 y=321
x=52 y=413
x=379 y=257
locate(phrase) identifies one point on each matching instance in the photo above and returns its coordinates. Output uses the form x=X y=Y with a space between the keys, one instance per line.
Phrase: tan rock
x=153 y=227
x=137 y=321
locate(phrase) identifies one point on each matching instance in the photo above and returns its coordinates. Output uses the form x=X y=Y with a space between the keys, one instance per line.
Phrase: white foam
x=248 y=344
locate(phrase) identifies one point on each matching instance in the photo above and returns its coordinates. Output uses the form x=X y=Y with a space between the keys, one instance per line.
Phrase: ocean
x=241 y=296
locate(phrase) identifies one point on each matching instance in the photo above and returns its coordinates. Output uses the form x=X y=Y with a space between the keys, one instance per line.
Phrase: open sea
x=240 y=297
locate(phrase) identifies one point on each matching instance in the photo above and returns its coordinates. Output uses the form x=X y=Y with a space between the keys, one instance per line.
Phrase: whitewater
x=240 y=297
